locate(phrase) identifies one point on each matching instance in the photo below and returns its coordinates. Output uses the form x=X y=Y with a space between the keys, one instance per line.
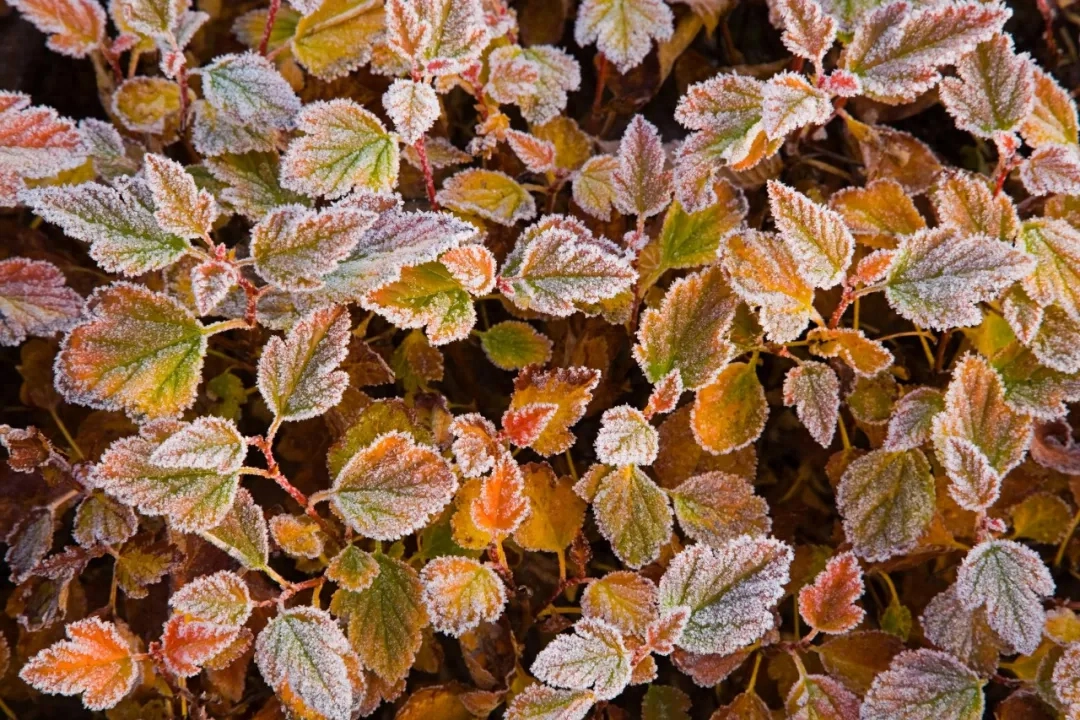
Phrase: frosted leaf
x=353 y=569
x=913 y=418
x=878 y=213
x=337 y=37
x=962 y=632
x=460 y=593
x=217 y=133
x=392 y=487
x=536 y=79
x=828 y=604
x=808 y=31
x=1066 y=678
x=536 y=154
x=187 y=645
x=540 y=702
x=242 y=533
x=135 y=350
x=153 y=18
x=1053 y=117
x=441 y=153
x=730 y=591
x=632 y=514
x=886 y=499
x=1055 y=245
x=994 y=91
x=298 y=376
x=965 y=202
x=624 y=599
x=522 y=426
x=626 y=438
x=181 y=208
x=937 y=277
x=558 y=266
x=501 y=505
x=28 y=542
x=297 y=536
x=623 y=29
x=1031 y=387
x=595 y=656
x=790 y=102
x=430 y=296
x=979 y=438
x=406 y=34
x=642 y=186
x=414 y=108
x=820 y=696
x=925 y=685
x=211 y=283
x=344 y=147
x=665 y=395
x=305 y=658
x=730 y=413
x=294 y=247
x=249 y=88
x=207 y=443
x=896 y=50
x=118 y=222
x=1023 y=314
x=34 y=300
x=663 y=634
x=817 y=237
x=568 y=389
x=814 y=390
x=489 y=194
x=149 y=104
x=476 y=444
x=1010 y=580
x=221 y=598
x=717 y=507
x=96 y=661
x=102 y=520
x=763 y=271
x=1056 y=342
x=866 y=357
x=75 y=27
x=512 y=344
x=688 y=332
x=458 y=34
x=35 y=142
x=11 y=186
x=252 y=179
x=594 y=186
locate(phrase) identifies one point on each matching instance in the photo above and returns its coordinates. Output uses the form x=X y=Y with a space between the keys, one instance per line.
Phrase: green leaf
x=716 y=507
x=512 y=344
x=665 y=702
x=633 y=514
x=249 y=88
x=427 y=296
x=243 y=534
x=253 y=185
x=595 y=656
x=925 y=684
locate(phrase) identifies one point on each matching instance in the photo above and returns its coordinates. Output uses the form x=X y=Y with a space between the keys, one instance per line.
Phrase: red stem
x=845 y=300
x=601 y=82
x=425 y=165
x=271 y=16
x=182 y=78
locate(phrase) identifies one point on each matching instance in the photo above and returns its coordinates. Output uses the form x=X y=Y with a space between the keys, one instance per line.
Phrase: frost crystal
x=1053 y=117
x=249 y=88
x=595 y=656
x=475 y=444
x=642 y=186
x=207 y=443
x=717 y=507
x=540 y=702
x=181 y=208
x=221 y=598
x=414 y=108
x=913 y=418
x=460 y=593
x=35 y=142
x=925 y=685
x=211 y=283
x=536 y=154
x=966 y=202
x=623 y=599
x=790 y=102
x=633 y=514
x=828 y=605
x=764 y=272
x=817 y=236
x=1066 y=678
x=808 y=31
x=536 y=79
x=814 y=390
x=963 y=632
x=75 y=27
x=1055 y=245
x=626 y=438
x=34 y=300
x=995 y=90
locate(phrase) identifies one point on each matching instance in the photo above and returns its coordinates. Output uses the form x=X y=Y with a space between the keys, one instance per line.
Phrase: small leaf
x=763 y=270
x=489 y=194
x=790 y=102
x=828 y=605
x=626 y=438
x=665 y=702
x=1053 y=117
x=414 y=108
x=594 y=186
x=622 y=29
x=730 y=413
x=187 y=645
x=994 y=91
x=814 y=390
x=207 y=443
x=336 y=37
x=925 y=684
x=1055 y=245
x=511 y=345
x=537 y=155
x=624 y=599
x=818 y=239
x=249 y=88
x=817 y=697
x=865 y=356
x=595 y=657
x=1052 y=169
x=242 y=533
x=460 y=593
x=75 y=27
x=221 y=598
x=966 y=202
x=476 y=444
x=1065 y=677
x=913 y=419
x=808 y=31
x=298 y=536
x=1041 y=517
x=502 y=504
x=879 y=213
x=717 y=507
x=633 y=514
x=102 y=520
x=34 y=300
x=211 y=283
x=642 y=187
x=556 y=513
x=253 y=186
x=540 y=702
x=353 y=569
x=569 y=390
x=535 y=78
x=431 y=297
x=150 y=105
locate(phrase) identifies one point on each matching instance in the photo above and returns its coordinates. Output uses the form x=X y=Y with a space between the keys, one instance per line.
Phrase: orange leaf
x=829 y=604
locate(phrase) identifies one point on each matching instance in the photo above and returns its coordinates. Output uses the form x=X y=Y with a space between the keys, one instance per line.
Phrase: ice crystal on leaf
x=642 y=186
x=502 y=504
x=923 y=685
x=297 y=536
x=242 y=532
x=511 y=345
x=594 y=186
x=814 y=390
x=964 y=633
x=626 y=438
x=879 y=213
x=211 y=283
x=75 y=27
x=540 y=702
x=828 y=605
x=1010 y=580
x=790 y=102
x=717 y=507
x=181 y=208
x=252 y=185
x=298 y=375
x=820 y=696
x=353 y=569
x=489 y=194
x=221 y=598
x=809 y=31
x=337 y=36
x=816 y=235
x=103 y=520
x=966 y=202
x=633 y=514
x=866 y=357
x=938 y=277
x=730 y=412
x=569 y=390
x=536 y=79
x=912 y=421
x=763 y=270
x=1055 y=245
x=35 y=142
x=476 y=444
x=153 y=18
x=249 y=88
x=1052 y=169
x=217 y=133
x=623 y=599
x=344 y=147
x=187 y=645
x=207 y=443
x=414 y=108
x=623 y=29
x=96 y=661
x=1066 y=679
x=1052 y=120
x=730 y=592
x=460 y=593
x=595 y=657
x=34 y=300
x=305 y=658
x=994 y=91
x=536 y=154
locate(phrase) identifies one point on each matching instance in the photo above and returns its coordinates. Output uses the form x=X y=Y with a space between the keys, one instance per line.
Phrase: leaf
x=717 y=507
x=558 y=267
x=828 y=605
x=622 y=599
x=511 y=345
x=1010 y=580
x=305 y=658
x=297 y=376
x=153 y=18
x=551 y=73
x=965 y=202
x=253 y=188
x=665 y=702
x=594 y=186
x=249 y=88
x=538 y=156
x=297 y=536
x=217 y=133
x=814 y=390
x=540 y=702
x=730 y=413
x=118 y=223
x=414 y=108
x=1053 y=116
x=187 y=645
x=925 y=684
x=392 y=487
x=642 y=187
x=344 y=147
x=817 y=237
x=978 y=436
x=211 y=283
x=502 y=504
x=96 y=661
x=809 y=31
x=34 y=300
x=790 y=102
x=149 y=104
x=556 y=513
x=476 y=444
x=353 y=569
x=626 y=438
x=886 y=499
x=938 y=277
x=35 y=142
x=994 y=91
x=896 y=50
x=207 y=443
x=221 y=598
x=102 y=520
x=879 y=213
x=569 y=390
x=913 y=419
x=460 y=593
x=337 y=36
x=76 y=27
x=242 y=533
x=29 y=542
x=135 y=350
x=965 y=634
x=865 y=356
x=632 y=514
x=595 y=657
x=622 y=29
x=730 y=592
x=429 y=296
x=193 y=498
x=1064 y=678
x=1055 y=245
x=688 y=333
x=820 y=696
x=1041 y=517
x=489 y=194
x=763 y=271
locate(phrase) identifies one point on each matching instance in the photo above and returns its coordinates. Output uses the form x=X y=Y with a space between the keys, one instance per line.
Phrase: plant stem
x=224 y=325
x=1065 y=540
x=425 y=166
x=271 y=16
x=67 y=435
